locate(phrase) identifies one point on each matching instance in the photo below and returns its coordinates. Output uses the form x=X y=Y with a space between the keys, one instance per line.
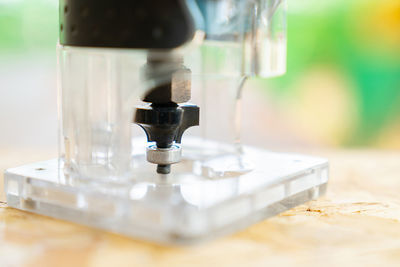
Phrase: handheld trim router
x=149 y=103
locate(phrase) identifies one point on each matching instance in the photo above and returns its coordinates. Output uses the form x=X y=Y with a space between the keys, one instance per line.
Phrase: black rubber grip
x=146 y=24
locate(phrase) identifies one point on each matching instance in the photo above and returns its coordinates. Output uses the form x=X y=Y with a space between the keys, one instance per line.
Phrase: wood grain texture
x=356 y=224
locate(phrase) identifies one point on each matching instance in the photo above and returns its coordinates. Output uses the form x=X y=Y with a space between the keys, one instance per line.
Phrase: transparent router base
x=171 y=210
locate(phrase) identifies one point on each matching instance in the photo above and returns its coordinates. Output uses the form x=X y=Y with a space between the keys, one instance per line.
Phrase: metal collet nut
x=174 y=84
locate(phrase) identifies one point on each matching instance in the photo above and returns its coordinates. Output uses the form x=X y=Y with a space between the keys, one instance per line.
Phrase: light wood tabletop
x=357 y=223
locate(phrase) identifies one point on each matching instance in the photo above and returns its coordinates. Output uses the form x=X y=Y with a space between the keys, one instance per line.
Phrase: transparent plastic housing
x=266 y=44
x=100 y=89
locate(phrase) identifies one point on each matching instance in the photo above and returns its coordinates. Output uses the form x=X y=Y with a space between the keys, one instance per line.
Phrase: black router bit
x=166 y=118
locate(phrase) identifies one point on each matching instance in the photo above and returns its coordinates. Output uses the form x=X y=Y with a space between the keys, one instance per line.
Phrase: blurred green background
x=342 y=87
x=343 y=80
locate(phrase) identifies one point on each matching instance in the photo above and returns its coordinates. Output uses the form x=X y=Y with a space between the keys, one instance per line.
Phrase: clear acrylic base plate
x=176 y=210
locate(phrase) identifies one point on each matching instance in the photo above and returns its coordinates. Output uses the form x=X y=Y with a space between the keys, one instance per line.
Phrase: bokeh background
x=342 y=88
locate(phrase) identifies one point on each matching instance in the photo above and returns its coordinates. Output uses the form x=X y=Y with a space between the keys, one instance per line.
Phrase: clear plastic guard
x=186 y=207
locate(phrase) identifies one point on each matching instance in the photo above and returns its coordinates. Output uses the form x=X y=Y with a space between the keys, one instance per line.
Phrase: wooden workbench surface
x=356 y=224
